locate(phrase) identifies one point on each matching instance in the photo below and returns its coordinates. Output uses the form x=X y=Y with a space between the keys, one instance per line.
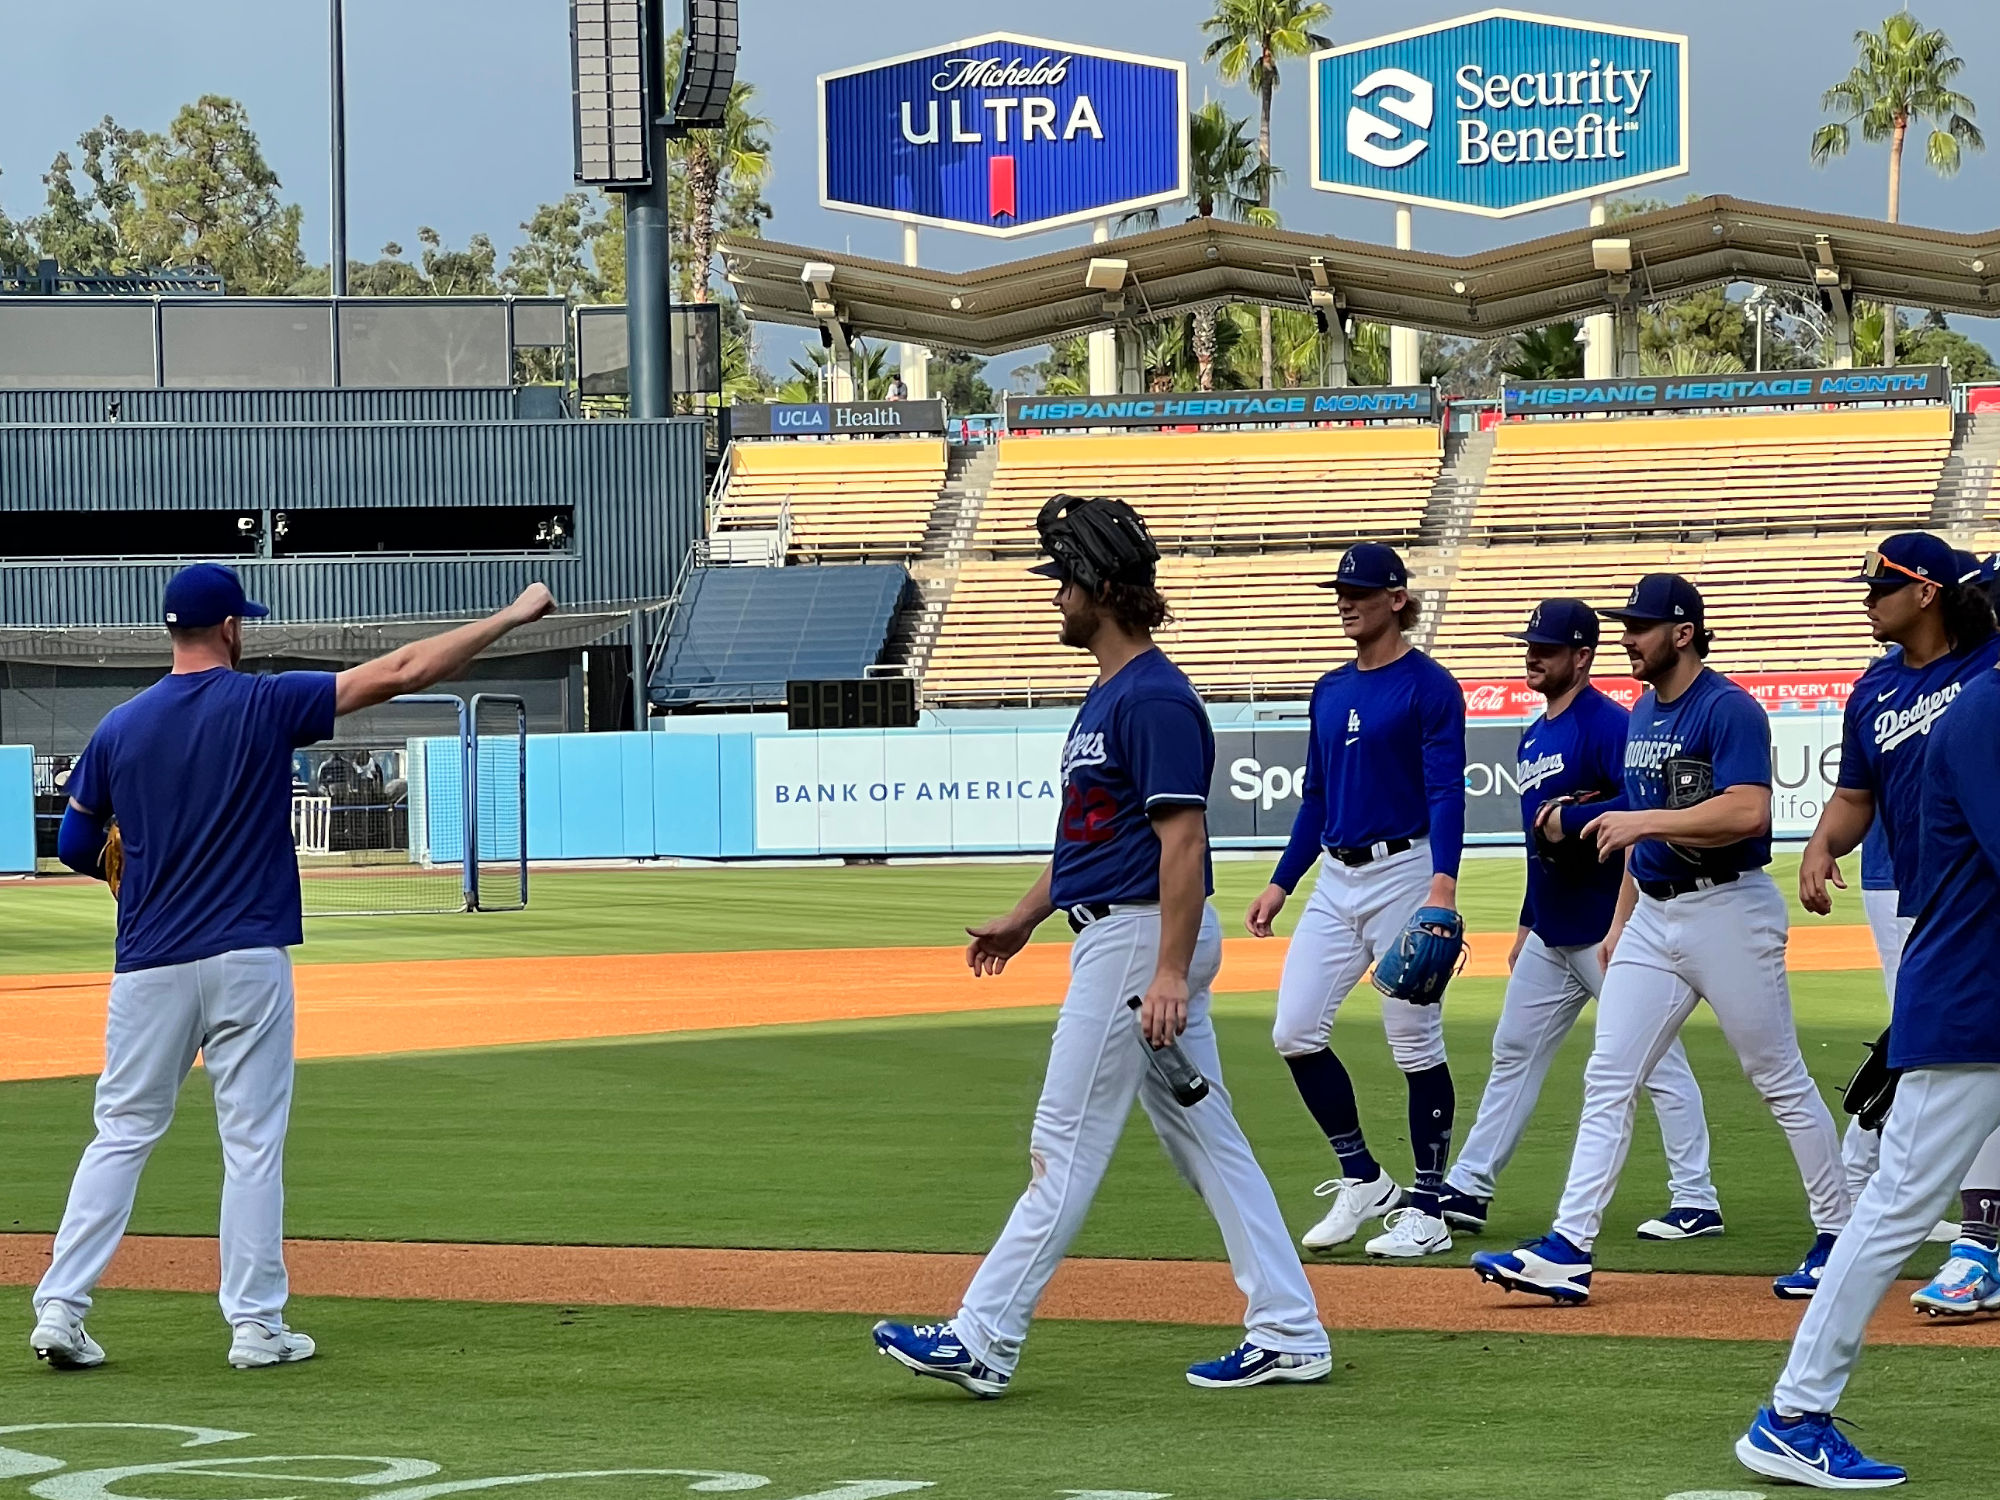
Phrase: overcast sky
x=459 y=114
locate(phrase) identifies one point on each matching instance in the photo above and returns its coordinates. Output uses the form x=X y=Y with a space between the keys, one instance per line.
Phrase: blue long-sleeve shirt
x=1385 y=759
x=1580 y=750
x=1947 y=1005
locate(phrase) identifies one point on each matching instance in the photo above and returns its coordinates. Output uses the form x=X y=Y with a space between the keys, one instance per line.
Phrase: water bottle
x=1182 y=1078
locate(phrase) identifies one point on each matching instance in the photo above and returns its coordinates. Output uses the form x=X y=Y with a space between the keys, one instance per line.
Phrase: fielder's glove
x=1430 y=950
x=1872 y=1089
x=1573 y=857
x=113 y=858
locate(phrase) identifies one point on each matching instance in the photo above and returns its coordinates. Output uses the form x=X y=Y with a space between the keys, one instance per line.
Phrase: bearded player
x=197 y=771
x=1131 y=873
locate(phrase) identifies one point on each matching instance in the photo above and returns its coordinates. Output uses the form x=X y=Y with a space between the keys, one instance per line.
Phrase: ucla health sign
x=1003 y=135
x=1500 y=113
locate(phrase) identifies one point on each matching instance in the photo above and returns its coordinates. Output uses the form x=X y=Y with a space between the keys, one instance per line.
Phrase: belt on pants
x=1357 y=855
x=1666 y=890
x=1084 y=913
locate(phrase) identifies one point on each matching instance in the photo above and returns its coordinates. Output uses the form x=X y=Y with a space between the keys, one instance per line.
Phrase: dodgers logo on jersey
x=1085 y=748
x=1532 y=773
x=1893 y=726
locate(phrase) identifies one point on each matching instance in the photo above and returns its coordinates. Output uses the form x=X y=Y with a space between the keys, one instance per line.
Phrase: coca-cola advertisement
x=1495 y=698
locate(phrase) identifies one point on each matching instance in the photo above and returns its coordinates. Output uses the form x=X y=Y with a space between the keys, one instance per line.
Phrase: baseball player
x=1697 y=918
x=1940 y=628
x=1570 y=768
x=1945 y=1039
x=1131 y=872
x=1382 y=812
x=197 y=771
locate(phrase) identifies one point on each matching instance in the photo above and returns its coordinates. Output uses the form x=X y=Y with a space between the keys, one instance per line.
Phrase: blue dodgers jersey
x=1947 y=1006
x=1876 y=874
x=1385 y=759
x=1884 y=732
x=1581 y=750
x=198 y=771
x=1714 y=721
x=1141 y=740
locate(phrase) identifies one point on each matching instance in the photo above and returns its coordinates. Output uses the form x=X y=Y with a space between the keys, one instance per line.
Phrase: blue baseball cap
x=1970 y=568
x=207 y=594
x=1560 y=622
x=1657 y=597
x=1369 y=565
x=1909 y=557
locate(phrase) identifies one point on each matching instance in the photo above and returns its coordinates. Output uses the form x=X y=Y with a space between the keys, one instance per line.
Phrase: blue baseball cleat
x=1252 y=1364
x=1550 y=1265
x=1969 y=1283
x=1803 y=1282
x=1810 y=1450
x=935 y=1349
x=1463 y=1211
x=1682 y=1224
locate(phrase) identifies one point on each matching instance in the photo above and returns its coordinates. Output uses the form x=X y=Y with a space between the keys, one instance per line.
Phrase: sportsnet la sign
x=1500 y=113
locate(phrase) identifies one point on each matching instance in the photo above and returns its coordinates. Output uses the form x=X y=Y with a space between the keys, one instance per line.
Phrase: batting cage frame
x=429 y=820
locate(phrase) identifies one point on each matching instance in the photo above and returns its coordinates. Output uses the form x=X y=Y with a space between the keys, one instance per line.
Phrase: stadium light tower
x=337 y=52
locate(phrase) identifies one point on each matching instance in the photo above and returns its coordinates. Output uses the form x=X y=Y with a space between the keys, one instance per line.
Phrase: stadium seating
x=1225 y=490
x=846 y=501
x=1689 y=477
x=1245 y=627
x=1775 y=605
x=741 y=634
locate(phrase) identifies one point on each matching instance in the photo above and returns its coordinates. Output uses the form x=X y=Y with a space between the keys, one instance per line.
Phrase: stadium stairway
x=1965 y=489
x=954 y=519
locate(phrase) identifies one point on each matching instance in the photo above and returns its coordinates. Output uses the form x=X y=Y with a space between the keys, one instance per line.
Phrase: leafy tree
x=1063 y=371
x=1549 y=353
x=1224 y=174
x=1248 y=42
x=197 y=196
x=716 y=183
x=16 y=249
x=558 y=256
x=1904 y=75
x=960 y=379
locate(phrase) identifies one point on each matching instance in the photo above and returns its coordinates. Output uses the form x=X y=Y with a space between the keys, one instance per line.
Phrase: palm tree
x=732 y=160
x=872 y=374
x=1550 y=353
x=1905 y=74
x=1249 y=39
x=1224 y=173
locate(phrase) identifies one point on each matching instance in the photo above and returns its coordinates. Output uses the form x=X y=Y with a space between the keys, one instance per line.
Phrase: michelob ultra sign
x=1003 y=135
x=1500 y=113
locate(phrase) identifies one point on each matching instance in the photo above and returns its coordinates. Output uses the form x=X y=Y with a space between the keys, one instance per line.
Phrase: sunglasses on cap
x=1875 y=569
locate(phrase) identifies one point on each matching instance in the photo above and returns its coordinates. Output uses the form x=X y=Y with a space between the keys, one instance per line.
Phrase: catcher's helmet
x=1094 y=540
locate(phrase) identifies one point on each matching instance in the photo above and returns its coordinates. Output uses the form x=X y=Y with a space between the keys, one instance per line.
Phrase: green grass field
x=907 y=1135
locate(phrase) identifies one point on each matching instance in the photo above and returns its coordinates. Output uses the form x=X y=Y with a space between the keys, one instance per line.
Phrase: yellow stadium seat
x=846 y=501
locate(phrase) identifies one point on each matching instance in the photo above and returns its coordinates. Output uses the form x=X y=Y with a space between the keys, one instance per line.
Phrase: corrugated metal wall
x=636 y=488
x=43 y=408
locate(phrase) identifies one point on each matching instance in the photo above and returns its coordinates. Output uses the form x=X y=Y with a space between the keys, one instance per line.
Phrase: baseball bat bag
x=1177 y=1071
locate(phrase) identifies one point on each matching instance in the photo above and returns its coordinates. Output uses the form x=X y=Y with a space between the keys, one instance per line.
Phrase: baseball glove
x=1573 y=856
x=1430 y=950
x=1872 y=1089
x=113 y=858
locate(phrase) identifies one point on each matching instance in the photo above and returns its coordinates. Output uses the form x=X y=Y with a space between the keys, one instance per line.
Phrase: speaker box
x=708 y=65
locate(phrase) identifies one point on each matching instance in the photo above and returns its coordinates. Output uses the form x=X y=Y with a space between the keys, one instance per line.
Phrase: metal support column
x=1103 y=343
x=1600 y=348
x=914 y=358
x=648 y=249
x=1405 y=355
x=635 y=631
x=337 y=51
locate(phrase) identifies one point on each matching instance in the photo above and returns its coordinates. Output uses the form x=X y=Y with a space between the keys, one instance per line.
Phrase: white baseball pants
x=1351 y=919
x=236 y=1011
x=1940 y=1117
x=1725 y=944
x=1545 y=994
x=1097 y=1065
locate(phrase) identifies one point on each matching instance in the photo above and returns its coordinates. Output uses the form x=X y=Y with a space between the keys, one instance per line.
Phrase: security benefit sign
x=1500 y=113
x=1003 y=135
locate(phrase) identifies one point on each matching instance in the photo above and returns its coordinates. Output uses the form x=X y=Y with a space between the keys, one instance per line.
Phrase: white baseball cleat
x=1411 y=1233
x=1354 y=1203
x=256 y=1347
x=1944 y=1232
x=59 y=1339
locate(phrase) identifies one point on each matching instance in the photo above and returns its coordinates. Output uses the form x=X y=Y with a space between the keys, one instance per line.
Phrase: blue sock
x=1329 y=1094
x=1432 y=1103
